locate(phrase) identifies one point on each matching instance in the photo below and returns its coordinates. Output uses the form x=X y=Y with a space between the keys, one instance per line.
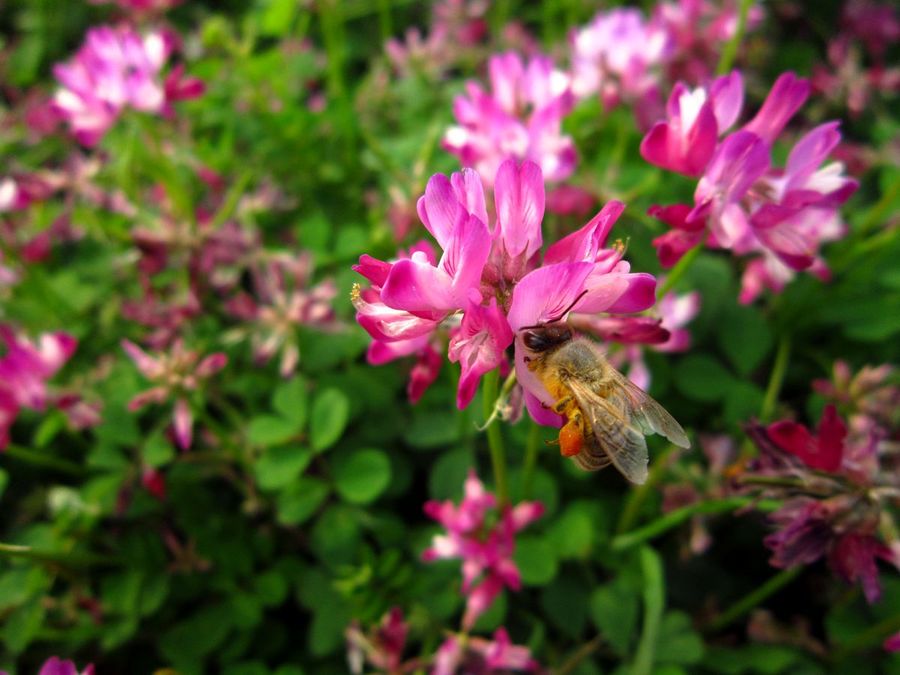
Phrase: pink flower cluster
x=464 y=655
x=521 y=118
x=25 y=368
x=490 y=281
x=781 y=216
x=484 y=539
x=176 y=373
x=382 y=647
x=857 y=69
x=622 y=56
x=845 y=481
x=115 y=69
x=284 y=299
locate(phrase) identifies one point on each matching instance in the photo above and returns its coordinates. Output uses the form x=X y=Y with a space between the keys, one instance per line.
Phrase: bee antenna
x=561 y=314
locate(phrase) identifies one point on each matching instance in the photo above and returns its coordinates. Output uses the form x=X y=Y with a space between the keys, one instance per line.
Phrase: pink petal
x=439 y=209
x=183 y=423
x=519 y=196
x=585 y=243
x=545 y=293
x=211 y=365
x=787 y=95
x=727 y=96
x=479 y=345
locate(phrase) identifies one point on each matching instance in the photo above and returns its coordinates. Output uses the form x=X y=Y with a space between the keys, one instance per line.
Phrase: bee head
x=541 y=338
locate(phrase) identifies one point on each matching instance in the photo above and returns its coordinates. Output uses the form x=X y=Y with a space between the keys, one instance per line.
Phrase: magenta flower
x=56 y=666
x=141 y=6
x=485 y=549
x=115 y=69
x=838 y=488
x=284 y=300
x=519 y=119
x=741 y=202
x=697 y=31
x=466 y=655
x=696 y=118
x=175 y=374
x=823 y=451
x=618 y=55
x=381 y=647
x=24 y=370
x=488 y=283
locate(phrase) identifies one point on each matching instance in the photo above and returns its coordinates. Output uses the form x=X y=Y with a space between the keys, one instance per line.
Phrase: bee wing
x=647 y=414
x=617 y=441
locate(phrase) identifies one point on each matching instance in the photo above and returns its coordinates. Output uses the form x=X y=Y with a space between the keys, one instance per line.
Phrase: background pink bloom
x=116 y=68
x=520 y=119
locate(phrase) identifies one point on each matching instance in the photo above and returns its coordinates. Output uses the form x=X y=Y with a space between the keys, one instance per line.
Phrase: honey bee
x=607 y=415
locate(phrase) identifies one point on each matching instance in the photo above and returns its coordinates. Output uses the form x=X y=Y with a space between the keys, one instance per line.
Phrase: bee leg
x=571 y=436
x=562 y=404
x=552 y=441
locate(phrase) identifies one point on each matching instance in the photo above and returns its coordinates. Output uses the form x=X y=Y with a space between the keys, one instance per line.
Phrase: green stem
x=639 y=495
x=531 y=452
x=42 y=460
x=580 y=655
x=384 y=20
x=877 y=213
x=754 y=598
x=674 y=518
x=495 y=437
x=678 y=271
x=776 y=379
x=730 y=51
x=334 y=37
x=70 y=560
x=654 y=600
x=871 y=637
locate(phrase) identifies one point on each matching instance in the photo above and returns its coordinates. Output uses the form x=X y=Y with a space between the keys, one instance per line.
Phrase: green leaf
x=271 y=587
x=563 y=603
x=745 y=337
x=742 y=402
x=362 y=476
x=448 y=473
x=702 y=378
x=276 y=17
x=21 y=626
x=157 y=451
x=614 y=609
x=268 y=430
x=193 y=638
x=281 y=466
x=678 y=641
x=572 y=533
x=536 y=560
x=330 y=412
x=290 y=400
x=4 y=481
x=300 y=500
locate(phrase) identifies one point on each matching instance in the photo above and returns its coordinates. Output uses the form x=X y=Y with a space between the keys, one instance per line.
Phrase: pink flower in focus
x=489 y=282
x=696 y=118
x=175 y=374
x=467 y=655
x=485 y=550
x=115 y=69
x=24 y=370
x=520 y=119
